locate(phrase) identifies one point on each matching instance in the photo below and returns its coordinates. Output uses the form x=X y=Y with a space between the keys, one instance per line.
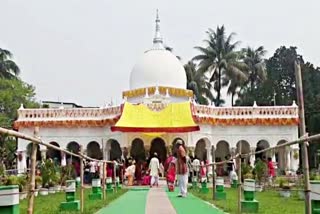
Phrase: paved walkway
x=158 y=201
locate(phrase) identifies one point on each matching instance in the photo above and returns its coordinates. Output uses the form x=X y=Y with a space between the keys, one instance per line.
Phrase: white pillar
x=288 y=153
x=252 y=157
x=209 y=157
x=295 y=162
x=22 y=162
x=63 y=159
x=43 y=154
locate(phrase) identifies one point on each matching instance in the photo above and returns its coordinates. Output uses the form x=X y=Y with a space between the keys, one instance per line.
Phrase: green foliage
x=50 y=176
x=199 y=84
x=51 y=204
x=260 y=170
x=8 y=68
x=220 y=59
x=270 y=202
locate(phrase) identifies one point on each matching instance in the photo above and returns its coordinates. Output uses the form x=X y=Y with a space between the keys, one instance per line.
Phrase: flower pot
x=22 y=196
x=285 y=193
x=57 y=188
x=43 y=191
x=301 y=195
x=52 y=190
x=259 y=188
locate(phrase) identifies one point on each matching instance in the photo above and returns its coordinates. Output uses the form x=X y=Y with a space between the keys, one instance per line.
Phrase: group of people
x=175 y=168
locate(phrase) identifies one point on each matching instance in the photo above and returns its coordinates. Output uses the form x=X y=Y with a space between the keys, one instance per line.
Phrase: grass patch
x=50 y=204
x=270 y=202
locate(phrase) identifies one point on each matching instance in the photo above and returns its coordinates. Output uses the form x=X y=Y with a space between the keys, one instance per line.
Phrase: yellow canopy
x=176 y=117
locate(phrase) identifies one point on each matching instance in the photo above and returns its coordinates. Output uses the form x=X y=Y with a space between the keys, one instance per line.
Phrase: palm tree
x=198 y=83
x=256 y=66
x=219 y=59
x=8 y=68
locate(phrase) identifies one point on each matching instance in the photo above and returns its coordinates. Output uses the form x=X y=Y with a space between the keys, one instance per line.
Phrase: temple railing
x=246 y=112
x=72 y=113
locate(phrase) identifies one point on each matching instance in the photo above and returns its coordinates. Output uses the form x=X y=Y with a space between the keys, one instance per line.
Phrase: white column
x=233 y=152
x=288 y=153
x=209 y=157
x=63 y=159
x=252 y=157
x=22 y=162
x=43 y=154
x=294 y=162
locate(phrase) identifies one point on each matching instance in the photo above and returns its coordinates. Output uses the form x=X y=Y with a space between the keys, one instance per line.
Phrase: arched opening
x=159 y=146
x=245 y=149
x=73 y=147
x=221 y=153
x=261 y=145
x=138 y=152
x=174 y=145
x=29 y=152
x=201 y=150
x=281 y=155
x=115 y=152
x=53 y=153
x=94 y=150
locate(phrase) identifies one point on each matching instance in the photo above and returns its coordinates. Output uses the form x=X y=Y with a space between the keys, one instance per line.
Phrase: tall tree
x=254 y=59
x=219 y=58
x=198 y=83
x=8 y=68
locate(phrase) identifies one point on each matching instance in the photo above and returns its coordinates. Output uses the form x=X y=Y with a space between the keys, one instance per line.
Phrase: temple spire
x=157 y=40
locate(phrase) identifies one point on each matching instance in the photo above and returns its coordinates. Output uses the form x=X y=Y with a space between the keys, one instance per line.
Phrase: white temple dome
x=158 y=67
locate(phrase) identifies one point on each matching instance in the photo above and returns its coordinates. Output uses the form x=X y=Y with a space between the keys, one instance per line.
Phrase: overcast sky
x=83 y=51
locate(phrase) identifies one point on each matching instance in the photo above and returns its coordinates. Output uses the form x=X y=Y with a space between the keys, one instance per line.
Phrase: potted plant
x=47 y=172
x=38 y=184
x=22 y=183
x=284 y=187
x=260 y=171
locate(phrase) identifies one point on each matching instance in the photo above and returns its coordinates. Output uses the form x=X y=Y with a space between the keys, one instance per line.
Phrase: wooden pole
x=213 y=174
x=239 y=178
x=104 y=181
x=81 y=181
x=302 y=127
x=33 y=172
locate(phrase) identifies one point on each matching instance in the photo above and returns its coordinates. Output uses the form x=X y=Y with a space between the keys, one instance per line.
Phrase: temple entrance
x=113 y=150
x=138 y=152
x=54 y=154
x=200 y=150
x=94 y=151
x=261 y=145
x=159 y=146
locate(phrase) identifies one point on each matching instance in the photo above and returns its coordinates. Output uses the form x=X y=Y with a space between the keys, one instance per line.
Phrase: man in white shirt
x=154 y=167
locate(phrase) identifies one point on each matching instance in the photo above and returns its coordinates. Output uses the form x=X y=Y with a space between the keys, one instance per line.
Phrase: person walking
x=154 y=168
x=182 y=169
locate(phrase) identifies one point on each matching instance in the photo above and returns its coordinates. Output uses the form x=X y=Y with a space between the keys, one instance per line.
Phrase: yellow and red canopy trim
x=176 y=117
x=178 y=92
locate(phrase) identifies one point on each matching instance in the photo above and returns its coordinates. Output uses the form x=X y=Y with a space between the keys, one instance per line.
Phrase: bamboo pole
x=104 y=181
x=81 y=181
x=302 y=127
x=239 y=178
x=33 y=172
x=213 y=174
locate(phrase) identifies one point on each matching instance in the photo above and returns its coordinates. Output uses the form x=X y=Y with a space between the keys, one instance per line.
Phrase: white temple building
x=156 y=111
